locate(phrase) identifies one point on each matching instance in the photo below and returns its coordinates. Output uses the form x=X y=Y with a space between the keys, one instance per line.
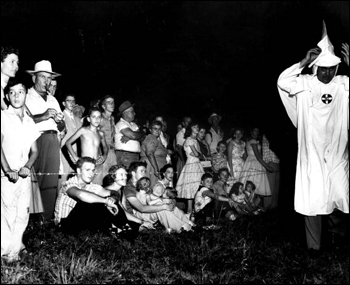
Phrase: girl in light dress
x=175 y=220
x=236 y=154
x=190 y=177
x=255 y=168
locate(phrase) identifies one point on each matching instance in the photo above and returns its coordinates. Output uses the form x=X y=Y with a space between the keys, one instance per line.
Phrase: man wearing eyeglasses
x=47 y=115
x=127 y=136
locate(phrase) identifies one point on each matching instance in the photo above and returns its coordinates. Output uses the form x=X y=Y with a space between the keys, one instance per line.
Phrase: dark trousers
x=206 y=212
x=95 y=217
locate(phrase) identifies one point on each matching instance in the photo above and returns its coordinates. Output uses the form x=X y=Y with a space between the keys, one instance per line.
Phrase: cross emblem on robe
x=327 y=98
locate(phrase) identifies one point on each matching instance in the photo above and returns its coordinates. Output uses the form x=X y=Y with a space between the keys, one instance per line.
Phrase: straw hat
x=43 y=66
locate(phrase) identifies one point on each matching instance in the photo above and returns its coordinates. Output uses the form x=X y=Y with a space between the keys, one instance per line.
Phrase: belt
x=49 y=132
x=134 y=152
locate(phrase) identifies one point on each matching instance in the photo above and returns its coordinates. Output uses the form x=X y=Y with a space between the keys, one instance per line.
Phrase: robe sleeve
x=289 y=85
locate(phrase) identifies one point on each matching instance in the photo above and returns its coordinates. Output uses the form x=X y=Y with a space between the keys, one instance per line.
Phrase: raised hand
x=311 y=55
x=345 y=52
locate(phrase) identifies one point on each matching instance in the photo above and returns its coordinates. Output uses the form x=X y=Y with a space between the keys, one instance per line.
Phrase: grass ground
x=268 y=248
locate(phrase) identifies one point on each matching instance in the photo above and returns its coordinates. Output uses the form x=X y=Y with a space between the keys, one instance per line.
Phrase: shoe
x=232 y=217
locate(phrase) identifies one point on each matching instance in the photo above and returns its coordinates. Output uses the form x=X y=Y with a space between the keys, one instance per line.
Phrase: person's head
x=223 y=174
x=156 y=128
x=214 y=119
x=237 y=134
x=186 y=121
x=165 y=126
x=237 y=188
x=201 y=132
x=250 y=186
x=94 y=116
x=16 y=92
x=179 y=128
x=207 y=180
x=9 y=61
x=254 y=133
x=53 y=86
x=167 y=172
x=119 y=174
x=137 y=169
x=78 y=110
x=221 y=147
x=326 y=74
x=160 y=119
x=107 y=104
x=86 y=169
x=42 y=76
x=192 y=129
x=69 y=101
x=126 y=110
x=144 y=184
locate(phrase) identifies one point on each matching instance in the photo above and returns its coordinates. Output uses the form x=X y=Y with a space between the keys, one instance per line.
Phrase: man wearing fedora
x=215 y=133
x=127 y=136
x=47 y=115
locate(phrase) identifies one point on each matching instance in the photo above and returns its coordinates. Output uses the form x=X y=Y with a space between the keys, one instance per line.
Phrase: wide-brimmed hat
x=210 y=119
x=125 y=105
x=43 y=66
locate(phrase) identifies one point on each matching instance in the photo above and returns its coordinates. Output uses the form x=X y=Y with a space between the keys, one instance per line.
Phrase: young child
x=203 y=202
x=219 y=159
x=242 y=205
x=90 y=140
x=73 y=124
x=253 y=199
x=175 y=220
x=18 y=154
x=221 y=187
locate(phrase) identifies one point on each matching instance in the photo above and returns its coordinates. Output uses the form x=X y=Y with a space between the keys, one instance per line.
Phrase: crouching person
x=83 y=205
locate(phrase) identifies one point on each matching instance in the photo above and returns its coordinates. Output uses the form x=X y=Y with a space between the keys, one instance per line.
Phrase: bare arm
x=194 y=152
x=229 y=156
x=71 y=140
x=12 y=174
x=153 y=161
x=148 y=209
x=216 y=196
x=25 y=170
x=133 y=135
x=259 y=158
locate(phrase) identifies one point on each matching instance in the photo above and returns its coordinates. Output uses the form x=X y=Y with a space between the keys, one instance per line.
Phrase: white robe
x=322 y=176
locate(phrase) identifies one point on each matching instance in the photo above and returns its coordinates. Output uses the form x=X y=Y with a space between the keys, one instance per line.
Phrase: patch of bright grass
x=260 y=249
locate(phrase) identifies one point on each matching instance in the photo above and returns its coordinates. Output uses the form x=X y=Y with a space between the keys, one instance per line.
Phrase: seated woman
x=174 y=220
x=204 y=202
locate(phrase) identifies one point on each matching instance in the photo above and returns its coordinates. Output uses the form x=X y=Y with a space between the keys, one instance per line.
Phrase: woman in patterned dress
x=236 y=154
x=255 y=168
x=191 y=174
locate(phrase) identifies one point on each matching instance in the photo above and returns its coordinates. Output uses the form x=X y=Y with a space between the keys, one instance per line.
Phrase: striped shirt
x=64 y=203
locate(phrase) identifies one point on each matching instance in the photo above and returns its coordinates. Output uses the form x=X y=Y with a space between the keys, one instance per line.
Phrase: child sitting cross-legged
x=204 y=203
x=174 y=220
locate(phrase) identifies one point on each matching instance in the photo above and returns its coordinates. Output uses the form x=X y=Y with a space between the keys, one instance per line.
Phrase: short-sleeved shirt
x=268 y=154
x=37 y=105
x=219 y=161
x=107 y=125
x=18 y=137
x=129 y=191
x=131 y=145
x=153 y=144
x=64 y=203
x=200 y=200
x=180 y=137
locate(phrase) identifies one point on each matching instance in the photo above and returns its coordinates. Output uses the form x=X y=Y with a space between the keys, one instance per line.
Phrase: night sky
x=175 y=57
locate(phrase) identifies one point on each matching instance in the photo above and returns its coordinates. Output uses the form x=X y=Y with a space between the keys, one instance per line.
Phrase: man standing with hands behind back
x=318 y=105
x=47 y=114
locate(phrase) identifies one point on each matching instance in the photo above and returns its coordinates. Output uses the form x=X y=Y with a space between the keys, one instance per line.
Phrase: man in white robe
x=318 y=105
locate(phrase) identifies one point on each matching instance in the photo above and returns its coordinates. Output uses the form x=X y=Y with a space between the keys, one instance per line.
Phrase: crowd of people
x=99 y=170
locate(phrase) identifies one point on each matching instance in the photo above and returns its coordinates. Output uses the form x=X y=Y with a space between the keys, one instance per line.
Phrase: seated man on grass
x=84 y=205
